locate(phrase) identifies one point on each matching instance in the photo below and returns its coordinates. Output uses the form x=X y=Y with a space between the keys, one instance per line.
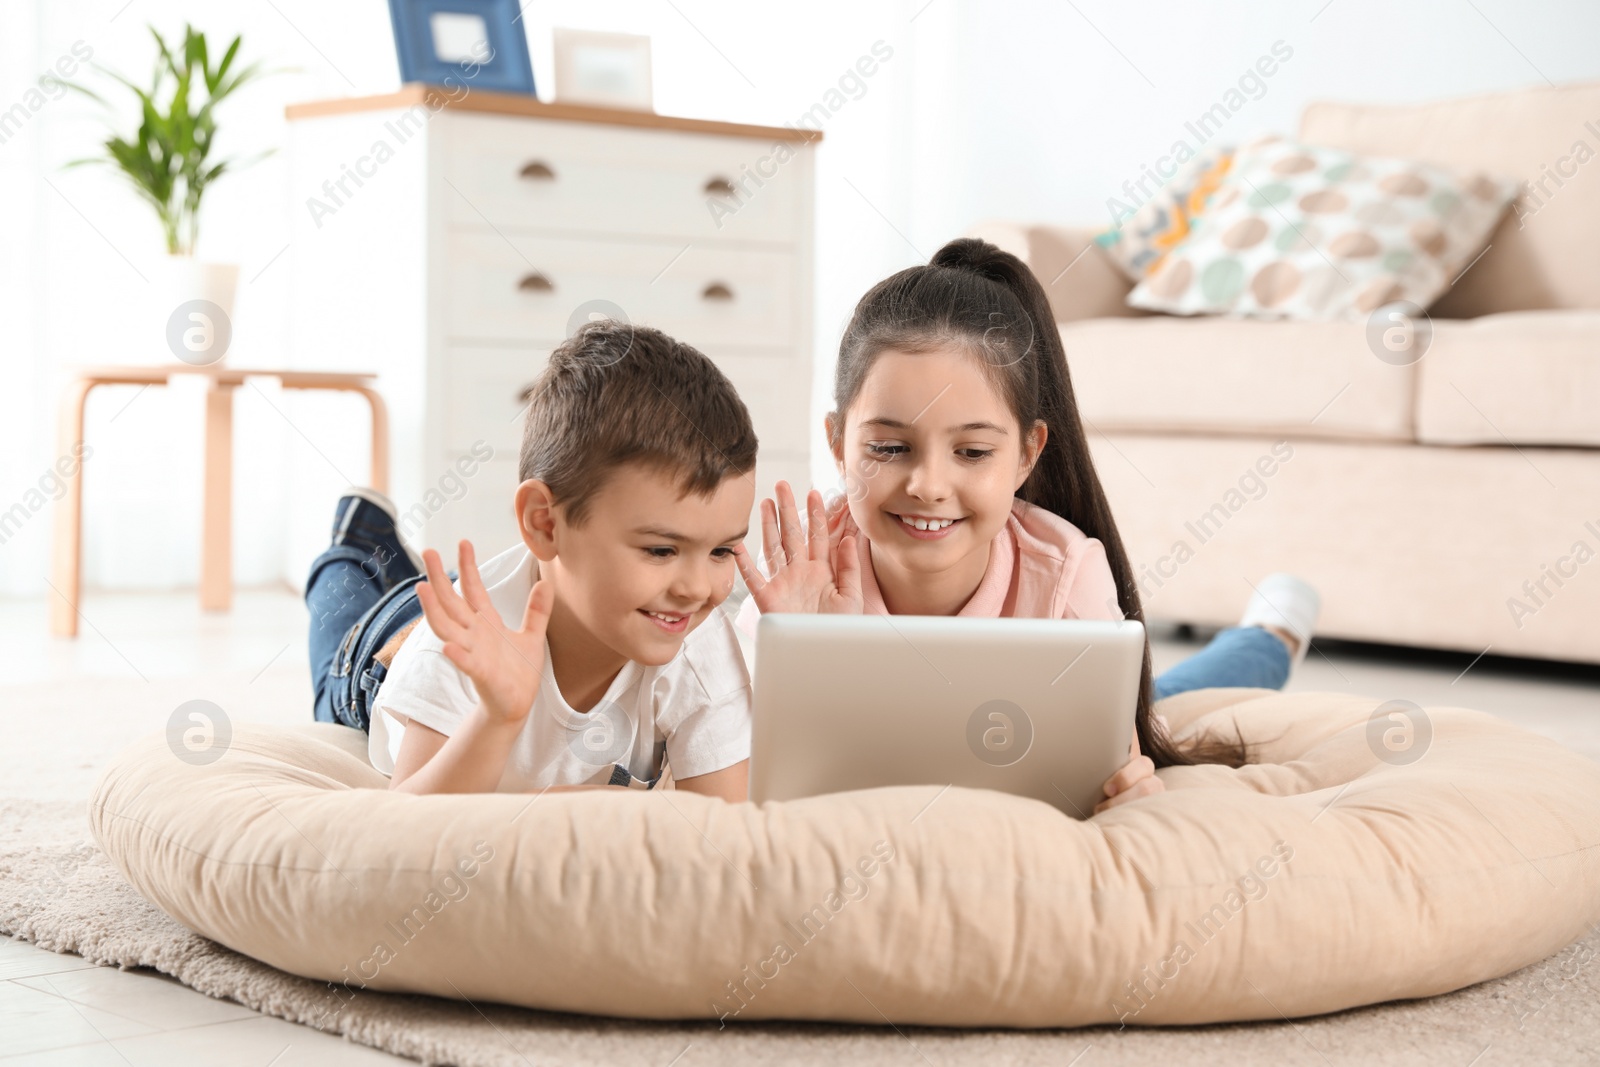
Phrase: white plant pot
x=192 y=305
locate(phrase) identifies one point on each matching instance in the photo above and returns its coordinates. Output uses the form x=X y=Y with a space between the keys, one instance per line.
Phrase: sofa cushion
x=1139 y=243
x=1524 y=378
x=1232 y=376
x=1300 y=231
x=1543 y=253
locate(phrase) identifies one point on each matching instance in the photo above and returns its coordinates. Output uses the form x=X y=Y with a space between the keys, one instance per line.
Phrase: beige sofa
x=1453 y=503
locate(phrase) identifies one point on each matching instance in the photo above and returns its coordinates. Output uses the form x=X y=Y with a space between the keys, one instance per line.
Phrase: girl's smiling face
x=932 y=456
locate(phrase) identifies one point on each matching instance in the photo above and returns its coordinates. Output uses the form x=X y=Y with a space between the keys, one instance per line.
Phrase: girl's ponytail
x=980 y=296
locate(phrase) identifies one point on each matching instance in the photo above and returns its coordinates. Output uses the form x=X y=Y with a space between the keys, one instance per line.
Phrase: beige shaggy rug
x=58 y=890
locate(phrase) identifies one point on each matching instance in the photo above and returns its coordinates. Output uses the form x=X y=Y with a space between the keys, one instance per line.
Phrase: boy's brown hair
x=617 y=393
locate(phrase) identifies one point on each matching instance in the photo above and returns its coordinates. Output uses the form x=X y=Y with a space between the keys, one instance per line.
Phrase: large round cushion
x=1332 y=873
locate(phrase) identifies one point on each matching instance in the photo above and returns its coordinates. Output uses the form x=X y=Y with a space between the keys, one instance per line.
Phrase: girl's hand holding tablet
x=1136 y=779
x=808 y=570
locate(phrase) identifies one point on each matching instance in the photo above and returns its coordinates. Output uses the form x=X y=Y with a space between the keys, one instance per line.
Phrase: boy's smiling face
x=647 y=564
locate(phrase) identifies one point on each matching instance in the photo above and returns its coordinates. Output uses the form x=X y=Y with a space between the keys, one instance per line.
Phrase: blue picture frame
x=508 y=68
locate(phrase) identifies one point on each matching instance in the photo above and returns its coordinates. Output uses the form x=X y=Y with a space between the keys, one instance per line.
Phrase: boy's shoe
x=367 y=520
x=1287 y=603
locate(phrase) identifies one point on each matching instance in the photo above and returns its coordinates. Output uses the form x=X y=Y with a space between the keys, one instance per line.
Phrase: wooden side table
x=216 y=549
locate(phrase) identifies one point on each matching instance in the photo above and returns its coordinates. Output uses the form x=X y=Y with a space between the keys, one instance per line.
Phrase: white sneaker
x=1288 y=603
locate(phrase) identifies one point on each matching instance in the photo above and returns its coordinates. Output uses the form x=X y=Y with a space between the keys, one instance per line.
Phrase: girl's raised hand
x=801 y=572
x=1137 y=778
x=505 y=665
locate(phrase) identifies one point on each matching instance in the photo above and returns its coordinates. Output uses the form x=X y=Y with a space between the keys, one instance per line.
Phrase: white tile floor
x=57 y=1010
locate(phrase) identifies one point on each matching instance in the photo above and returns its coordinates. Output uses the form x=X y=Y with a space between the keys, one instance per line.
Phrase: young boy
x=593 y=651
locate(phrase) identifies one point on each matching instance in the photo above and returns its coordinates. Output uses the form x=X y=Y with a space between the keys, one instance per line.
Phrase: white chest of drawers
x=447 y=244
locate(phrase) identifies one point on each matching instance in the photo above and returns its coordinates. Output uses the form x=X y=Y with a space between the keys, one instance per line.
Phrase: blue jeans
x=352 y=617
x=1238 y=656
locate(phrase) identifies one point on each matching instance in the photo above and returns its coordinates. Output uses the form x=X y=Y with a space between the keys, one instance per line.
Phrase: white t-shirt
x=695 y=709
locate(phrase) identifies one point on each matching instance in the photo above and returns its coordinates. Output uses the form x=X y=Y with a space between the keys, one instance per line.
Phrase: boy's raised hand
x=505 y=665
x=806 y=571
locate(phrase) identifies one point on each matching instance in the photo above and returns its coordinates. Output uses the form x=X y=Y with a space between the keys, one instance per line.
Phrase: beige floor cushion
x=1362 y=860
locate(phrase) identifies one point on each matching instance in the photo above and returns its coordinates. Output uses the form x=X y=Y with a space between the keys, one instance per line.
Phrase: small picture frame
x=603 y=69
x=475 y=44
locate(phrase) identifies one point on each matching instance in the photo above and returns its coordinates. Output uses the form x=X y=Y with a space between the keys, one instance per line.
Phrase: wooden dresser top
x=515 y=104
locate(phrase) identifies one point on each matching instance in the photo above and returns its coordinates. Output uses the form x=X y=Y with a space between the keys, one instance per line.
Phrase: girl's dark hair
x=978 y=297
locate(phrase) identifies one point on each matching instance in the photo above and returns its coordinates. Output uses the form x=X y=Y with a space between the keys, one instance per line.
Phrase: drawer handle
x=716 y=291
x=538 y=170
x=720 y=187
x=534 y=282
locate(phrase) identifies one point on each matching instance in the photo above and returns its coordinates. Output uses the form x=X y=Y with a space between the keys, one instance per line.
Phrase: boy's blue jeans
x=352 y=617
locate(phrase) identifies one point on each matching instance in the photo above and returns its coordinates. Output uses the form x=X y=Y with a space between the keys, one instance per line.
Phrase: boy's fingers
x=472 y=583
x=459 y=656
x=769 y=535
x=431 y=564
x=789 y=525
x=448 y=601
x=439 y=621
x=748 y=569
x=541 y=599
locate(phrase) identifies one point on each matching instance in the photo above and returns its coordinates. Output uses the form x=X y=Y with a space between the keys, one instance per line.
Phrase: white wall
x=1043 y=118
x=1028 y=109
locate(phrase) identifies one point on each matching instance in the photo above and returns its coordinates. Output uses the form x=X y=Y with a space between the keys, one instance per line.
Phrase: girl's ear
x=835 y=437
x=1032 y=445
x=536 y=515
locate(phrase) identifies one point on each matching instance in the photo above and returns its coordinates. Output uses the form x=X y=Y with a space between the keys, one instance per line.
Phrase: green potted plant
x=168 y=159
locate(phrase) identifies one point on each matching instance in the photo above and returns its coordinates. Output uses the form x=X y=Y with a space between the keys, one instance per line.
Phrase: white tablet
x=1042 y=708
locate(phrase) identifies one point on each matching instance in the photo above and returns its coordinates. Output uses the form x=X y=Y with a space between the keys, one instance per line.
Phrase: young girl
x=970 y=491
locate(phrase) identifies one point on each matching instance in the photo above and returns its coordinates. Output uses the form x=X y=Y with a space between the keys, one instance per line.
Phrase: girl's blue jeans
x=1239 y=656
x=352 y=617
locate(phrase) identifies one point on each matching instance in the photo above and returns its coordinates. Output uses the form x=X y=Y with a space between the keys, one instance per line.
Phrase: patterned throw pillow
x=1300 y=232
x=1142 y=240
